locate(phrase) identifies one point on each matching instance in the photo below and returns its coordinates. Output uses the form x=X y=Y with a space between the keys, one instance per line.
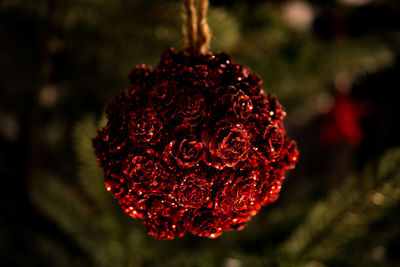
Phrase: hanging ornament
x=194 y=145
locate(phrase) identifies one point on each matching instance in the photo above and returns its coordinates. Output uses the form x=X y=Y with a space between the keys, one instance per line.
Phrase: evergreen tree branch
x=346 y=214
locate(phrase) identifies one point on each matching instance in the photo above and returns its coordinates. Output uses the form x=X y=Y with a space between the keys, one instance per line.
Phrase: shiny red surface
x=194 y=145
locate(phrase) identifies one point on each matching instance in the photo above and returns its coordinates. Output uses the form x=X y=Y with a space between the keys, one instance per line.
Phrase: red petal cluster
x=194 y=145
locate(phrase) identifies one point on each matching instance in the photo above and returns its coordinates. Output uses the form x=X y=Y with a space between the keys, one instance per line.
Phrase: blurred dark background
x=333 y=64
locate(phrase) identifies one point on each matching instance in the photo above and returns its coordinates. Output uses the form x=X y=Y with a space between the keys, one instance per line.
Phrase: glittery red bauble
x=194 y=145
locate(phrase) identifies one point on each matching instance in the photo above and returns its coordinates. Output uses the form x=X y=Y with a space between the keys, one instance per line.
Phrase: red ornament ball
x=194 y=145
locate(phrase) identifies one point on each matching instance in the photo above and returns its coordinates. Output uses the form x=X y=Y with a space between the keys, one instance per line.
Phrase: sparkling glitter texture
x=194 y=145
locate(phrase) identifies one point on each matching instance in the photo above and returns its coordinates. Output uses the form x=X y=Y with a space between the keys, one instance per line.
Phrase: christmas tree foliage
x=334 y=66
x=325 y=232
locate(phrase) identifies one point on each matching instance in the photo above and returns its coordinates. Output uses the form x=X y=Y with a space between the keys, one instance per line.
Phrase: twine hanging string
x=190 y=24
x=197 y=32
x=203 y=31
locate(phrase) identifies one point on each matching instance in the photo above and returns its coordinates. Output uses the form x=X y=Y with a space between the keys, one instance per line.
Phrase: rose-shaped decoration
x=185 y=152
x=139 y=81
x=133 y=203
x=164 y=218
x=230 y=143
x=242 y=105
x=290 y=158
x=114 y=183
x=273 y=140
x=197 y=75
x=194 y=191
x=164 y=227
x=144 y=127
x=206 y=224
x=270 y=190
x=191 y=109
x=275 y=110
x=139 y=169
x=163 y=93
x=239 y=195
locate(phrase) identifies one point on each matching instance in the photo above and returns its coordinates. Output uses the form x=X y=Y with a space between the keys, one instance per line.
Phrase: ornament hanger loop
x=197 y=32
